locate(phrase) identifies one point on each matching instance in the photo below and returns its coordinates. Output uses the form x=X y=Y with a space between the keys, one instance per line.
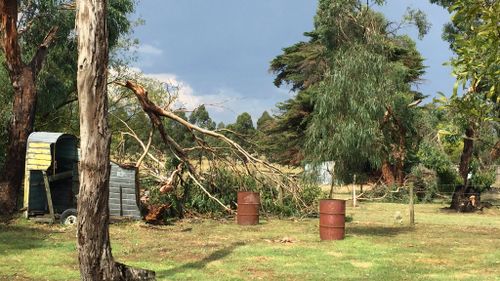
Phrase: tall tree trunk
x=400 y=156
x=495 y=151
x=463 y=169
x=387 y=173
x=20 y=127
x=23 y=79
x=94 y=249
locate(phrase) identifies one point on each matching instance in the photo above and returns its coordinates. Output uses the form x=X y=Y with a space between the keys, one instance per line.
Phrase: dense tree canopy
x=473 y=35
x=56 y=107
x=352 y=105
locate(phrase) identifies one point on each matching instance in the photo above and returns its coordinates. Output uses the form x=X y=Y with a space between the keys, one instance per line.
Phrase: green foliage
x=243 y=131
x=224 y=184
x=300 y=65
x=419 y=19
x=57 y=109
x=286 y=136
x=352 y=98
x=201 y=118
x=425 y=182
x=482 y=178
x=473 y=35
x=244 y=125
x=434 y=158
x=349 y=71
x=469 y=112
x=264 y=121
x=221 y=125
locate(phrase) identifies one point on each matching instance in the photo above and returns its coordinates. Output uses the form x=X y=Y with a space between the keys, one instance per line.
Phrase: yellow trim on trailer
x=37 y=167
x=40 y=162
x=39 y=145
x=31 y=156
x=39 y=151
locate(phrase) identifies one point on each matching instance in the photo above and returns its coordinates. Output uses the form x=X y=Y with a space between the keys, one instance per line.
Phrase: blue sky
x=219 y=51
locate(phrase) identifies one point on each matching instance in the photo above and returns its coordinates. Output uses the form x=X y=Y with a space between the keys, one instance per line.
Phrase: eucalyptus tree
x=473 y=36
x=355 y=103
x=201 y=118
x=94 y=249
x=244 y=125
x=23 y=76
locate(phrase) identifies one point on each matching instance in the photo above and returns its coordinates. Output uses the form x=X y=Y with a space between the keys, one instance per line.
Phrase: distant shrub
x=425 y=182
x=433 y=158
x=482 y=179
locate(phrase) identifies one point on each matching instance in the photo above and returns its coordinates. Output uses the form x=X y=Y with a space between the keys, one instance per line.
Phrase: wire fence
x=442 y=193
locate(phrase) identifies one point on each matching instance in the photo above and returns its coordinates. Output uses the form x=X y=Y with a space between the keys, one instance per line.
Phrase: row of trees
x=355 y=67
x=356 y=102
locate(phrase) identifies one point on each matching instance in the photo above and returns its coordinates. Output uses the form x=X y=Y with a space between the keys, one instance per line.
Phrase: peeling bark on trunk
x=495 y=152
x=387 y=174
x=94 y=249
x=23 y=78
x=20 y=128
x=463 y=169
x=399 y=152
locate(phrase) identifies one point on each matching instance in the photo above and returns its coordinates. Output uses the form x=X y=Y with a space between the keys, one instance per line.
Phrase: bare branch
x=208 y=193
x=41 y=52
x=146 y=149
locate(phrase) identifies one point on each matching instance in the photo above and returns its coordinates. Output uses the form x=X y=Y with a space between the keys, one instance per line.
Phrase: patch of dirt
x=260 y=258
x=283 y=240
x=432 y=261
x=361 y=264
x=14 y=277
x=335 y=254
x=259 y=274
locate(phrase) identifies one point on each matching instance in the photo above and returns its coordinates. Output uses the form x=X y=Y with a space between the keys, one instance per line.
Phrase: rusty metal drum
x=248 y=208
x=332 y=219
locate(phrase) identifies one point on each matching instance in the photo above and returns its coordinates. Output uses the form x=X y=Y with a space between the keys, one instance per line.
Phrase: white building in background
x=323 y=171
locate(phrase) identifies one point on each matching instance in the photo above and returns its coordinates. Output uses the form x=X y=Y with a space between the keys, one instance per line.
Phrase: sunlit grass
x=442 y=246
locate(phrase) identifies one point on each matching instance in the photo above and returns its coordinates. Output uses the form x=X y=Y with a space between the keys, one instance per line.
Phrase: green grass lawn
x=442 y=246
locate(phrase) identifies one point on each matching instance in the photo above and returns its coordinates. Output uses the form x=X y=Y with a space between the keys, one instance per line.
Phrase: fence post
x=354 y=203
x=411 y=207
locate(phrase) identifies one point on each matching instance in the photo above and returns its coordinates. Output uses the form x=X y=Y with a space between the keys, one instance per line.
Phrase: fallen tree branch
x=252 y=165
x=208 y=193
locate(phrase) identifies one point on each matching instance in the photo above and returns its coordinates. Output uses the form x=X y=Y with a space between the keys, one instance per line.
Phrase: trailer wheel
x=68 y=217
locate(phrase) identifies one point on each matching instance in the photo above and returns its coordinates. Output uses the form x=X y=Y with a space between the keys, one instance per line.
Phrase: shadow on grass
x=390 y=231
x=217 y=255
x=14 y=238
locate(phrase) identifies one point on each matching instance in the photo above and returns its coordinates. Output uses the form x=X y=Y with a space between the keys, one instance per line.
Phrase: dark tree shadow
x=217 y=255
x=14 y=238
x=390 y=231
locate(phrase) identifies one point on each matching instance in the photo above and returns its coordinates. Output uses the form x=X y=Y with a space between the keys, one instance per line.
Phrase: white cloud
x=149 y=50
x=223 y=104
x=186 y=96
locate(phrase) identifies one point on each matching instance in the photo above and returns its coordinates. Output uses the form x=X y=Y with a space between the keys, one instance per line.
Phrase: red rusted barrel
x=331 y=219
x=248 y=208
